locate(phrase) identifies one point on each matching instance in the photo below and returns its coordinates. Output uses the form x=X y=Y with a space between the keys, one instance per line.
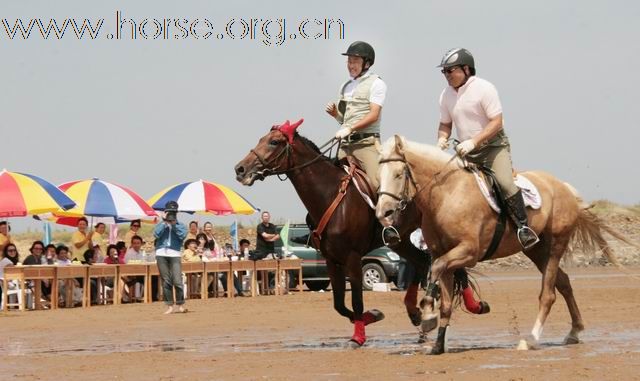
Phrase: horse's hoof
x=527 y=344
x=372 y=316
x=484 y=308
x=571 y=340
x=416 y=318
x=430 y=323
x=352 y=344
x=437 y=350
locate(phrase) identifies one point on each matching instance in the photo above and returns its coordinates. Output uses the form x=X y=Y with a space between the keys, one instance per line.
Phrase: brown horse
x=458 y=226
x=353 y=229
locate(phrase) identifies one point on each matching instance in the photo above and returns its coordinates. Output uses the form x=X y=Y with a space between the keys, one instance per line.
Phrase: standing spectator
x=134 y=227
x=267 y=235
x=50 y=254
x=36 y=257
x=169 y=234
x=193 y=230
x=97 y=238
x=80 y=240
x=5 y=237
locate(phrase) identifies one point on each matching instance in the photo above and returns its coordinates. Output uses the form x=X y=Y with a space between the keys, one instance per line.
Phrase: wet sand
x=300 y=337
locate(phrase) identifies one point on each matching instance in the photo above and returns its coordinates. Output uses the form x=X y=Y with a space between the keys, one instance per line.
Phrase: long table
x=68 y=274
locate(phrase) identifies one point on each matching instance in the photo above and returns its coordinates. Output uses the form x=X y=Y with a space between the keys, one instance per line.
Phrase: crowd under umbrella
x=23 y=194
x=203 y=197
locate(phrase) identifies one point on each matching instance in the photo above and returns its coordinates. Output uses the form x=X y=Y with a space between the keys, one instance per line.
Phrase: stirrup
x=392 y=233
x=527 y=237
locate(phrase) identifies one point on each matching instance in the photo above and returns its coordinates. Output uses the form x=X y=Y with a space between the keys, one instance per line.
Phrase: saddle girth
x=502 y=217
x=342 y=191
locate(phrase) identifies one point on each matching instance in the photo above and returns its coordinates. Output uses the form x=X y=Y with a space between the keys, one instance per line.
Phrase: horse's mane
x=309 y=143
x=424 y=150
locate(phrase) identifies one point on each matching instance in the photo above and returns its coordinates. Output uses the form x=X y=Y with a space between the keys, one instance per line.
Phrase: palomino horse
x=458 y=225
x=352 y=230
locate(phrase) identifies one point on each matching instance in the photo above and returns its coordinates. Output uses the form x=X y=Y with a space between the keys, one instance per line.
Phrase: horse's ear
x=399 y=144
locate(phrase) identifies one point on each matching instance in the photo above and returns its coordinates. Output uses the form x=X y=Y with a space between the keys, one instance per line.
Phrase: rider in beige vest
x=359 y=109
x=472 y=106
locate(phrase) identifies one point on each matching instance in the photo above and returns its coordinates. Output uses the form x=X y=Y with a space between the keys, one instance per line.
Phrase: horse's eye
x=274 y=142
x=398 y=175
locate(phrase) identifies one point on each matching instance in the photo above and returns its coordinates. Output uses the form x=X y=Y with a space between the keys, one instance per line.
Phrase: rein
x=286 y=152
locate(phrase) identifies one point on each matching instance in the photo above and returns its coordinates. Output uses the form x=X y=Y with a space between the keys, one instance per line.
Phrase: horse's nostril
x=388 y=213
x=239 y=170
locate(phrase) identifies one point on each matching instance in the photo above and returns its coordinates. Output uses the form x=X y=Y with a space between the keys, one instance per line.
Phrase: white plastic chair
x=15 y=292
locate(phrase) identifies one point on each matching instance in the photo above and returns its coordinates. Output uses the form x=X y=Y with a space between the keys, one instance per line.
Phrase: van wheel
x=372 y=273
x=317 y=285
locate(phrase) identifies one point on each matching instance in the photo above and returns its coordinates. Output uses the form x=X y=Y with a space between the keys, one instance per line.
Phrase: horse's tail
x=588 y=236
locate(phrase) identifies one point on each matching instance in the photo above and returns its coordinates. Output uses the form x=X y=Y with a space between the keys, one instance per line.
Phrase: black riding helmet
x=457 y=57
x=361 y=49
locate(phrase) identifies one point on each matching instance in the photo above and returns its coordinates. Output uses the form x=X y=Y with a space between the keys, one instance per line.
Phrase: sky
x=148 y=113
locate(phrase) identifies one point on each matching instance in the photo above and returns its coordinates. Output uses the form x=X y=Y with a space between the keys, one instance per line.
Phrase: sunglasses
x=135 y=226
x=12 y=251
x=449 y=70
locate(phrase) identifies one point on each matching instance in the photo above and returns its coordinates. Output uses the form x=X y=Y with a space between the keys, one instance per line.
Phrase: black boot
x=518 y=213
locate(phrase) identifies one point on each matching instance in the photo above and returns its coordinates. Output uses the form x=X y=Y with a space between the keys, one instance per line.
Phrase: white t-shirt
x=132 y=255
x=470 y=108
x=378 y=90
x=166 y=252
x=3 y=263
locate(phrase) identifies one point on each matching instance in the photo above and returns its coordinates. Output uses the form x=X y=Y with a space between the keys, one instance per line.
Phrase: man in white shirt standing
x=472 y=106
x=359 y=109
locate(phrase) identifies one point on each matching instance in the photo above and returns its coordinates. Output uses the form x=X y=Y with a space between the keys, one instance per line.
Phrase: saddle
x=362 y=182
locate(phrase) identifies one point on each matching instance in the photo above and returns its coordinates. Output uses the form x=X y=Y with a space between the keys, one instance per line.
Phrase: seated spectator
x=203 y=248
x=243 y=250
x=190 y=253
x=134 y=253
x=11 y=252
x=50 y=254
x=122 y=250
x=36 y=257
x=6 y=260
x=90 y=258
x=112 y=256
x=62 y=255
x=215 y=248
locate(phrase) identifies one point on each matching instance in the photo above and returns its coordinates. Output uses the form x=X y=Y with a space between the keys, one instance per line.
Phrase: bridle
x=404 y=199
x=286 y=153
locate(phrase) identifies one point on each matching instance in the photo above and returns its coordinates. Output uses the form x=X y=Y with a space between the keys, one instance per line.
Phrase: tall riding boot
x=518 y=213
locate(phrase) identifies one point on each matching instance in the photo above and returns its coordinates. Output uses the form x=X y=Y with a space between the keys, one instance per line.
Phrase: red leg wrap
x=358 y=334
x=470 y=302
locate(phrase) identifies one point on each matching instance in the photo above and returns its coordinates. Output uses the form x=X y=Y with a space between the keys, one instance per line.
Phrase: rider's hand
x=465 y=147
x=443 y=143
x=343 y=132
x=331 y=109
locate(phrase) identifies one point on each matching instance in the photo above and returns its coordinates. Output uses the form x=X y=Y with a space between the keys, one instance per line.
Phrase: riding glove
x=465 y=147
x=343 y=132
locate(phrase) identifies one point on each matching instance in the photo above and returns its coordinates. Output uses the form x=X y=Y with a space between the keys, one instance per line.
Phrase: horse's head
x=396 y=181
x=270 y=155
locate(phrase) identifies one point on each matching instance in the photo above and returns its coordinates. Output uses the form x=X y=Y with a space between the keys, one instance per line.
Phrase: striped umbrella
x=203 y=196
x=98 y=198
x=22 y=194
